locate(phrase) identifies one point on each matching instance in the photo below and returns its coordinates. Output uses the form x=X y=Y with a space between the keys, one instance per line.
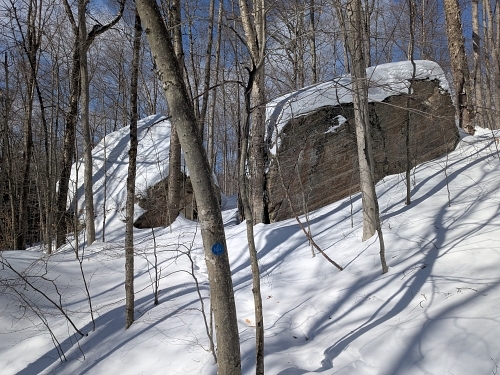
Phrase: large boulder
x=154 y=203
x=314 y=159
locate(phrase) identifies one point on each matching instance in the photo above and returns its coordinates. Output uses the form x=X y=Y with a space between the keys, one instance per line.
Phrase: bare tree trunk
x=300 y=78
x=207 y=69
x=312 y=41
x=496 y=61
x=411 y=5
x=211 y=125
x=174 y=176
x=212 y=228
x=10 y=237
x=492 y=43
x=49 y=186
x=257 y=148
x=459 y=67
x=32 y=44
x=366 y=20
x=87 y=141
x=257 y=297
x=174 y=158
x=488 y=46
x=31 y=40
x=339 y=10
x=4 y=153
x=476 y=78
x=255 y=32
x=132 y=160
x=371 y=215
x=68 y=147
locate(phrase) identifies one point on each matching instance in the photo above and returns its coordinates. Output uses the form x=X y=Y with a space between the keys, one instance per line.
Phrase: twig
x=309 y=237
x=58 y=307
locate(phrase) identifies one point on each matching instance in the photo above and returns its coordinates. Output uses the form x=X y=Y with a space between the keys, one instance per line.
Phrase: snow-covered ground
x=435 y=311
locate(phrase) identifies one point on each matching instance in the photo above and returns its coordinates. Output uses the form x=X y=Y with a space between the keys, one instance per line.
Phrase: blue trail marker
x=217 y=249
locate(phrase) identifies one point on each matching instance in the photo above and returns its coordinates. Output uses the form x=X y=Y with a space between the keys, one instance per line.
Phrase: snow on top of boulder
x=384 y=80
x=110 y=167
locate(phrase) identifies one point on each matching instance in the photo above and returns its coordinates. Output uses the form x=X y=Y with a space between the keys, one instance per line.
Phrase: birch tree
x=248 y=212
x=253 y=19
x=174 y=156
x=371 y=214
x=212 y=228
x=87 y=142
x=459 y=66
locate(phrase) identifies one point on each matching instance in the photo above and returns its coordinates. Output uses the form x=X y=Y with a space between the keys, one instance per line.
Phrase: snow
x=339 y=121
x=383 y=80
x=434 y=312
x=110 y=168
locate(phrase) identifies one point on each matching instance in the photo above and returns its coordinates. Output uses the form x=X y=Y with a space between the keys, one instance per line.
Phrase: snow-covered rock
x=314 y=137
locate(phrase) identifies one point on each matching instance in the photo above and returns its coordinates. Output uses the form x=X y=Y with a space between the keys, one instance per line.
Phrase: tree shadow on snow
x=110 y=323
x=436 y=247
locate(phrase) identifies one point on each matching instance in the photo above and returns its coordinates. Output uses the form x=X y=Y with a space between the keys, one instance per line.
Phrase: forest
x=74 y=72
x=59 y=100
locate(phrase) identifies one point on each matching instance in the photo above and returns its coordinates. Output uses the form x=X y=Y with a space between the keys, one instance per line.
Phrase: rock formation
x=154 y=204
x=316 y=161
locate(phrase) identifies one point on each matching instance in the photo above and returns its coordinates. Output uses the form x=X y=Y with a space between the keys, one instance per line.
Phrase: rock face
x=154 y=202
x=316 y=161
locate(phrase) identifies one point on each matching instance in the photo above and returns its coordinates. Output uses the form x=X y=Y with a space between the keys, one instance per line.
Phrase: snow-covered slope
x=434 y=312
x=384 y=80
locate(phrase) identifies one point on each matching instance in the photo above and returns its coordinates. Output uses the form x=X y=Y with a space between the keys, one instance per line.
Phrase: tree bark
x=476 y=77
x=366 y=24
x=492 y=59
x=490 y=100
x=411 y=49
x=212 y=228
x=259 y=319
x=312 y=41
x=10 y=238
x=174 y=156
x=68 y=147
x=207 y=69
x=258 y=148
x=489 y=74
x=459 y=66
x=211 y=124
x=32 y=44
x=87 y=141
x=255 y=33
x=132 y=161
x=339 y=10
x=371 y=215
